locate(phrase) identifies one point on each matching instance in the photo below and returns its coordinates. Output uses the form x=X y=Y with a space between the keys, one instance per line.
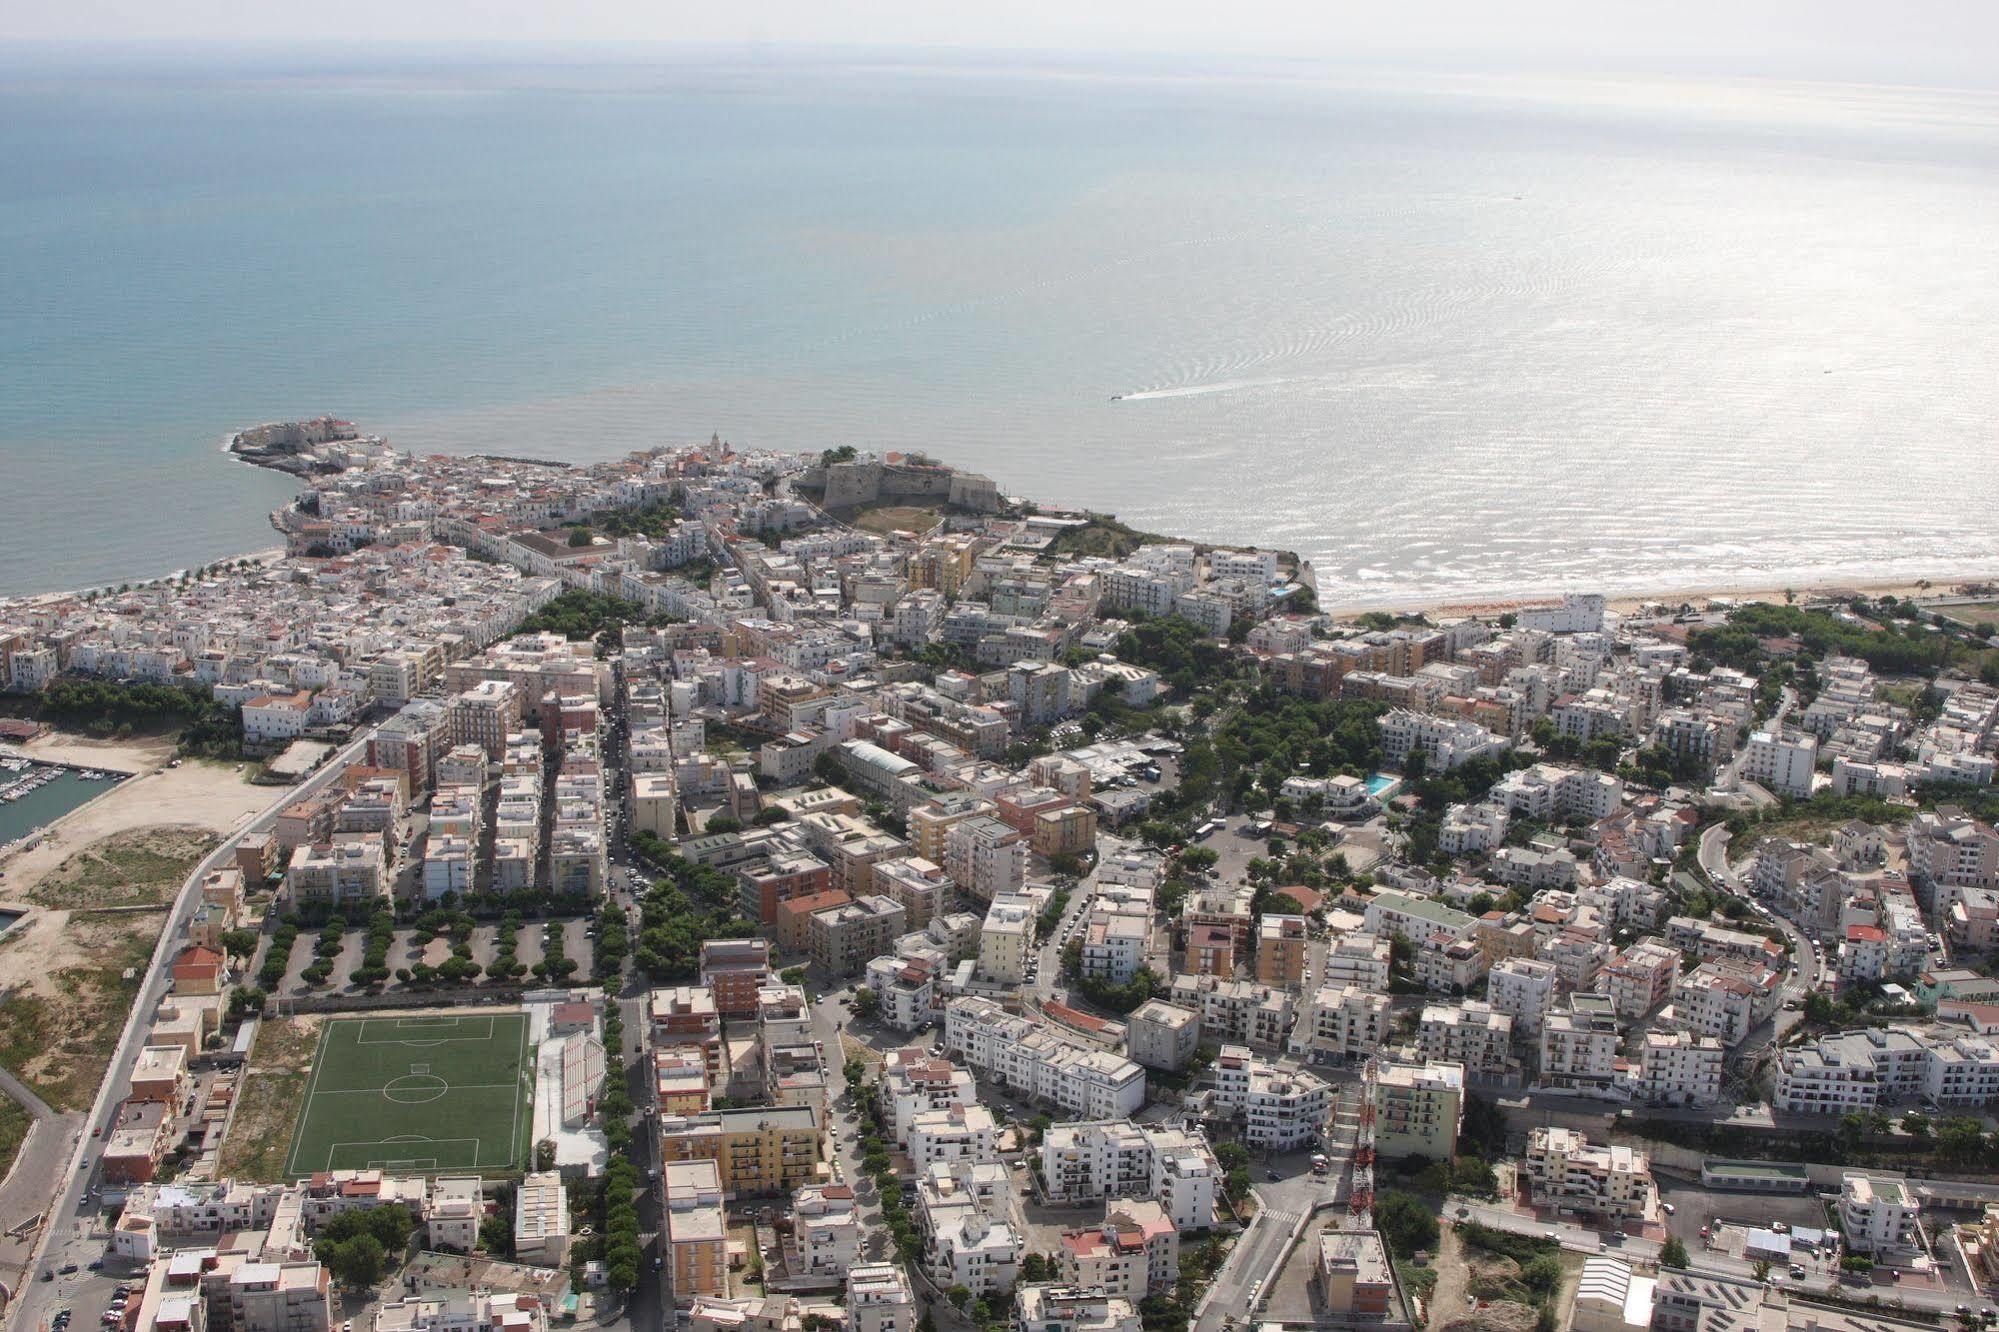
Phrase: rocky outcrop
x=286 y=446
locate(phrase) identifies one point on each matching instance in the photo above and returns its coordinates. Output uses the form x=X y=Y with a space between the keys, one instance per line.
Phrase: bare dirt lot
x=64 y=995
x=140 y=867
x=261 y=1133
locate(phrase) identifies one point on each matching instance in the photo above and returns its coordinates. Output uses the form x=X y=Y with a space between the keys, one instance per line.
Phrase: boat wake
x=1196 y=390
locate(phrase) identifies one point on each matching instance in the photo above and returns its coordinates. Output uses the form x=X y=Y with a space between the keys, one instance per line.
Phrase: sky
x=1934 y=41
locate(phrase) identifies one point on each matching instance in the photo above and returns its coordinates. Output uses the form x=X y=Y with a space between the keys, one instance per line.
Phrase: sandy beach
x=1628 y=603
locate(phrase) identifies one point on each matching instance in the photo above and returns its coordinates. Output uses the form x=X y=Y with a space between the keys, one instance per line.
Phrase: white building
x=1444 y=742
x=1083 y=1162
x=1340 y=1022
x=879 y=1299
x=1279 y=1110
x=1878 y=1214
x=956 y=1133
x=1566 y=1172
x=1471 y=1033
x=1523 y=988
x=1031 y=1059
x=1782 y=761
x=1679 y=1068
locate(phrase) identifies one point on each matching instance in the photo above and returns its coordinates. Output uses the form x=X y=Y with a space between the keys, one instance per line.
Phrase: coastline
x=1629 y=600
x=1624 y=598
x=262 y=555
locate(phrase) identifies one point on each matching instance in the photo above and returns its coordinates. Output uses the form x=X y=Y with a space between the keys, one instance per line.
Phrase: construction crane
x=1360 y=1193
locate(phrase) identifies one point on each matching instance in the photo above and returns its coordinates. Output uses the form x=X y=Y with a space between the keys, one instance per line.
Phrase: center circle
x=416 y=1088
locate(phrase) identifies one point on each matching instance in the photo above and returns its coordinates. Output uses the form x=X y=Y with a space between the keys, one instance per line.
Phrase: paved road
x=1713 y=856
x=72 y=1235
x=1253 y=1264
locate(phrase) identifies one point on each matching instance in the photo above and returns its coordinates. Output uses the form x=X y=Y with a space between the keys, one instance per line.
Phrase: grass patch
x=1102 y=535
x=15 y=1122
x=1973 y=613
x=137 y=867
x=423 y=1093
x=883 y=519
x=268 y=1100
x=59 y=1044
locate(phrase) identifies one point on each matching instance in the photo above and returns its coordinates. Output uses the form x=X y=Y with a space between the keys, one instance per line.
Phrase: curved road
x=68 y=1237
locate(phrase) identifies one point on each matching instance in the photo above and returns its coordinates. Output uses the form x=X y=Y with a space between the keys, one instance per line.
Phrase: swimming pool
x=1383 y=785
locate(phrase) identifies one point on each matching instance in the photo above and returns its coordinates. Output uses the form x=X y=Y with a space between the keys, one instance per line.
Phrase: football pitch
x=438 y=1092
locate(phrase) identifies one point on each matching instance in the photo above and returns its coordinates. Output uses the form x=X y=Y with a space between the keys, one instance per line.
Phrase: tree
x=959 y=1296
x=1759 y=1270
x=240 y=943
x=1673 y=1253
x=358 y=1262
x=1405 y=1222
x=866 y=1003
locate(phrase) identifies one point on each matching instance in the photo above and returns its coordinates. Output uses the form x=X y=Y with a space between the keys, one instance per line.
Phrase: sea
x=1448 y=333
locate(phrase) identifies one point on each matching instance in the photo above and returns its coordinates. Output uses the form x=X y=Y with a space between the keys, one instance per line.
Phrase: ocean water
x=1445 y=334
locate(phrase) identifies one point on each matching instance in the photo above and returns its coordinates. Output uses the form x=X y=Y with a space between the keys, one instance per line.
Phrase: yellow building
x=758 y=1150
x=930 y=824
x=1071 y=831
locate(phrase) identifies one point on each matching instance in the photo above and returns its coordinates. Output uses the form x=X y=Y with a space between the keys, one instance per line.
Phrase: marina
x=34 y=795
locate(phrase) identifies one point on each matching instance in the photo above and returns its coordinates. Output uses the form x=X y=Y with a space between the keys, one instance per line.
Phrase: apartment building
x=1524 y=989
x=696 y=1237
x=1726 y=998
x=1418 y=1109
x=985 y=857
x=914 y=1083
x=1006 y=941
x=1085 y=1161
x=1279 y=1110
x=1878 y=1215
x=1679 y=1068
x=734 y=970
x=842 y=938
x=1640 y=978
x=1237 y=1010
x=1358 y=959
x=758 y=1150
x=1580 y=1042
x=825 y=1235
x=1340 y=1022
x=351 y=871
x=879 y=1299
x=1280 y=950
x=1471 y=1033
x=1565 y=1171
x=956 y=1133
x=969 y=1240
x=1444 y=742
x=1048 y=1307
x=1114 y=941
x=1133 y=1253
x=541 y=1220
x=1031 y=1059
x=1161 y=1035
x=1781 y=760
x=1878 y=1067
